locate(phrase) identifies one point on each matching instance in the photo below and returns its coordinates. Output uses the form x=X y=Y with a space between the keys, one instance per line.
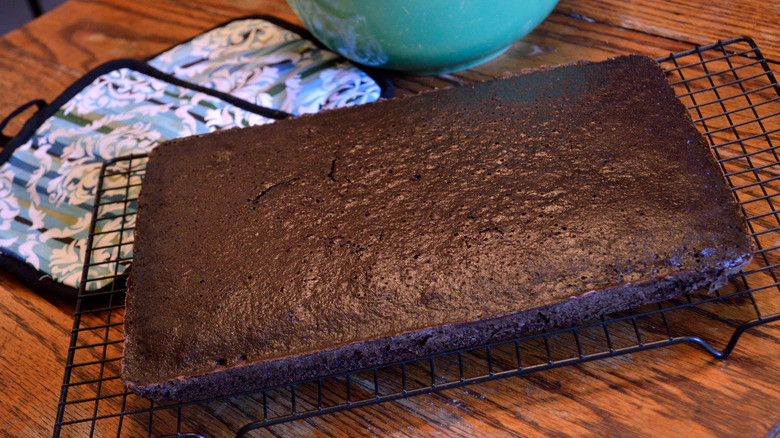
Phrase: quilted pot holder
x=247 y=72
x=272 y=64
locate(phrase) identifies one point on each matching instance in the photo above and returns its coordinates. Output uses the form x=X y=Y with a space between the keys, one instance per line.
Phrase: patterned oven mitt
x=247 y=72
x=258 y=61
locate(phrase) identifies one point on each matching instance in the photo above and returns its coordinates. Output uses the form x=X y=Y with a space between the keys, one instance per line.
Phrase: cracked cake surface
x=409 y=226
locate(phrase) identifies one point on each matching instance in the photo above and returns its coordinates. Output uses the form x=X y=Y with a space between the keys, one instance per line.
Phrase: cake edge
x=226 y=381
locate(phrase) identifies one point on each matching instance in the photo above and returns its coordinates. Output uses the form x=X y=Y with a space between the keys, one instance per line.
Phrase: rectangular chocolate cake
x=378 y=233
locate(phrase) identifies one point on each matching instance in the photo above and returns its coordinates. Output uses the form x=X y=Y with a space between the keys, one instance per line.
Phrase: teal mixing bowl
x=420 y=36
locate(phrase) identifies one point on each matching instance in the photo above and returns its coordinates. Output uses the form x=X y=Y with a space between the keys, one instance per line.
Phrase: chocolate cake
x=378 y=233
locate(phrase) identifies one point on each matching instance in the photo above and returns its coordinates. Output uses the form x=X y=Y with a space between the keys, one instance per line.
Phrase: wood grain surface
x=678 y=391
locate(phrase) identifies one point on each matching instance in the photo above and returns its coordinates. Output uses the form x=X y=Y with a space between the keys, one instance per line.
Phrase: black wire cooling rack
x=734 y=100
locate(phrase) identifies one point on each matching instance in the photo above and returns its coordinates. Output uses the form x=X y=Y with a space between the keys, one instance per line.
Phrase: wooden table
x=675 y=391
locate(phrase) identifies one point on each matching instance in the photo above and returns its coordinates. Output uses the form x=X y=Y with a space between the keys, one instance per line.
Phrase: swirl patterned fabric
x=264 y=64
x=47 y=185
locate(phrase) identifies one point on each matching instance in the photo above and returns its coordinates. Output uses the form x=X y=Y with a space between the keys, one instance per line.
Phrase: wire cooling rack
x=734 y=100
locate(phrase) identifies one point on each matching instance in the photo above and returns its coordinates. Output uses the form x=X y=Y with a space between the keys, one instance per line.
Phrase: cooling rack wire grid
x=734 y=99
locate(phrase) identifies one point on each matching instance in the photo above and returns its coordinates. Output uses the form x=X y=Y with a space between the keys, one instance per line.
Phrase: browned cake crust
x=378 y=233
